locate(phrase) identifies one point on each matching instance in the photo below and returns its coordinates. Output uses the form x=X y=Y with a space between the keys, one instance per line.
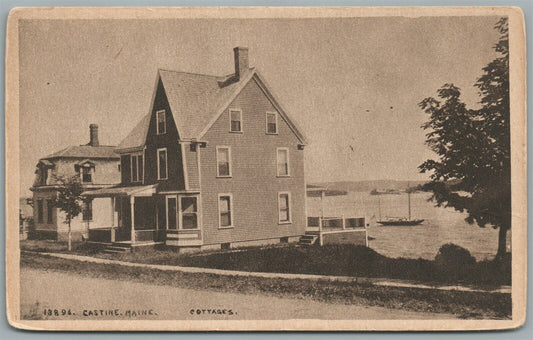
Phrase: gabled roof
x=196 y=102
x=85 y=151
x=85 y=161
x=195 y=98
x=45 y=162
x=137 y=136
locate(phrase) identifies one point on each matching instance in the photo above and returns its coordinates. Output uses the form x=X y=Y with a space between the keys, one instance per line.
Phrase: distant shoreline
x=377 y=186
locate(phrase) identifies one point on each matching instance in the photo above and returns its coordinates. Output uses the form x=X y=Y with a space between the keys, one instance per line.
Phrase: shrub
x=454 y=263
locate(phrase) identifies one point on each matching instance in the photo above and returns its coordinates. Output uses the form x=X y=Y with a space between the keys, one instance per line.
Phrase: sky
x=352 y=84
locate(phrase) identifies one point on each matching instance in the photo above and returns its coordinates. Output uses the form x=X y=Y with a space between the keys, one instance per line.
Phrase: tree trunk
x=69 y=237
x=502 y=242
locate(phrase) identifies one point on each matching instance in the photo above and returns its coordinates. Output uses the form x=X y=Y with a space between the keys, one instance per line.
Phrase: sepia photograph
x=266 y=168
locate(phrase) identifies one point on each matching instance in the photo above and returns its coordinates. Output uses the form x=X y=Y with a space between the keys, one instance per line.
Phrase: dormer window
x=87 y=175
x=161 y=122
x=43 y=171
x=271 y=123
x=85 y=170
x=43 y=176
x=235 y=117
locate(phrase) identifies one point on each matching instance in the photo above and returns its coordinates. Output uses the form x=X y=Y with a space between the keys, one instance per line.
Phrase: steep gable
x=196 y=101
x=194 y=98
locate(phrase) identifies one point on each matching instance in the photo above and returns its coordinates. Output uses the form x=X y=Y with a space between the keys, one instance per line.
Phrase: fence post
x=320 y=224
x=343 y=223
x=113 y=234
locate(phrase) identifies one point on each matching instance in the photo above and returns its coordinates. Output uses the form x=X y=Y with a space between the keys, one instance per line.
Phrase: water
x=441 y=225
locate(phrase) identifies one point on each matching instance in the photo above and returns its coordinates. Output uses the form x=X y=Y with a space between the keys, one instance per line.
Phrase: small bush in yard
x=453 y=262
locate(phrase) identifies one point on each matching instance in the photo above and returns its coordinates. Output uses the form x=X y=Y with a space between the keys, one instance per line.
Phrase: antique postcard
x=330 y=168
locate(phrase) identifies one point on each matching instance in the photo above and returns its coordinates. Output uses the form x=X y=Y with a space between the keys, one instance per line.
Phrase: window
x=223 y=161
x=189 y=213
x=137 y=168
x=271 y=123
x=86 y=176
x=88 y=211
x=235 y=117
x=43 y=175
x=283 y=162
x=40 y=211
x=162 y=172
x=161 y=122
x=225 y=218
x=284 y=203
x=172 y=222
x=50 y=211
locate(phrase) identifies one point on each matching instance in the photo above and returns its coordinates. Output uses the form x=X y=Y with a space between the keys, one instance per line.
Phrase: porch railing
x=108 y=235
x=150 y=235
x=336 y=222
x=100 y=235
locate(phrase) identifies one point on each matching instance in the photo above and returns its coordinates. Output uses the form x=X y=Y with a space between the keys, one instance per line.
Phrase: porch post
x=322 y=194
x=132 y=206
x=321 y=219
x=112 y=212
x=113 y=236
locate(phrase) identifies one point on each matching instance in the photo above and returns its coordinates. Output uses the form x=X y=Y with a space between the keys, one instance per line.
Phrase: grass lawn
x=471 y=305
x=344 y=260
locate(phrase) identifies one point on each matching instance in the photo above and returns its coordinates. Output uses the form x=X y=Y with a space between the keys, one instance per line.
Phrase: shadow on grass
x=453 y=264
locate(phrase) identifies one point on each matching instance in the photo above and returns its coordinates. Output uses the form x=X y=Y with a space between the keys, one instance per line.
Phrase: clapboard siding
x=168 y=140
x=254 y=183
x=192 y=167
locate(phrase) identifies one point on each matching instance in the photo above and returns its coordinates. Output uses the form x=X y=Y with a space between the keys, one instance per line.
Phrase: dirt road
x=45 y=292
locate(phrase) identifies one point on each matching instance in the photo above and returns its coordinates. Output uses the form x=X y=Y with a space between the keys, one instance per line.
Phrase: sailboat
x=400 y=221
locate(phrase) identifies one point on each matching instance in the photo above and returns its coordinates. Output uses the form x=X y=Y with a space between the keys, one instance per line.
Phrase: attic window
x=271 y=123
x=161 y=122
x=235 y=117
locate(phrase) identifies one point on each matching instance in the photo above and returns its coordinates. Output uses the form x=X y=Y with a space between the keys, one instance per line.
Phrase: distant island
x=375 y=187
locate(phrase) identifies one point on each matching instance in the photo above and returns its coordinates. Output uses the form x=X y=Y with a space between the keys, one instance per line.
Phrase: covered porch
x=136 y=216
x=333 y=228
x=142 y=216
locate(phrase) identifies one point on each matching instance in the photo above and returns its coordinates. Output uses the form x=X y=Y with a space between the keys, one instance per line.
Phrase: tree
x=69 y=200
x=473 y=169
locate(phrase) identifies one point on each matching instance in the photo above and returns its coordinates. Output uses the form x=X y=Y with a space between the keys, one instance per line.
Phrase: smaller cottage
x=98 y=167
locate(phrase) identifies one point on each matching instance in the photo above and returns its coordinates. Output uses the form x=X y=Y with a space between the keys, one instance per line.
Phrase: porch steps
x=307 y=240
x=117 y=248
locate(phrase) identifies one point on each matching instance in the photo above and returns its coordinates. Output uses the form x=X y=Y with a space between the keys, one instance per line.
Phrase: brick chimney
x=241 y=61
x=94 y=135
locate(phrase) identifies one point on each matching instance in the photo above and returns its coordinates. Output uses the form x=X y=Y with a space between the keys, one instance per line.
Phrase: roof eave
x=129 y=150
x=275 y=101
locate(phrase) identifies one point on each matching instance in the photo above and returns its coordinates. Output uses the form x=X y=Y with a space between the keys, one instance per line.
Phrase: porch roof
x=138 y=190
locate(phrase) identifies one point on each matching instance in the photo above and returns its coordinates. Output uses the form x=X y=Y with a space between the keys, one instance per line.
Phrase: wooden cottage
x=217 y=162
x=97 y=167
